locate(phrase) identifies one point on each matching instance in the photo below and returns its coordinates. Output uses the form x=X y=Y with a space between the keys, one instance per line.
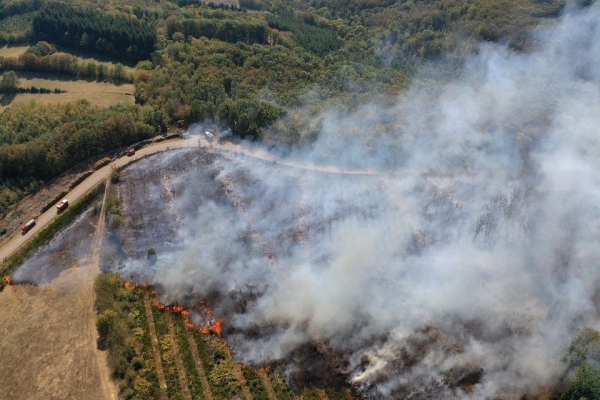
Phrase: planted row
x=123 y=331
x=167 y=353
x=188 y=360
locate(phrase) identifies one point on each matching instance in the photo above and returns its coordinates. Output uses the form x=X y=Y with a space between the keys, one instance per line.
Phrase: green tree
x=118 y=73
x=586 y=384
x=10 y=82
x=104 y=323
x=42 y=48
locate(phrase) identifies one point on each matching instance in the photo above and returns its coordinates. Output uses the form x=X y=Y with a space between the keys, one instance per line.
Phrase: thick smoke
x=462 y=267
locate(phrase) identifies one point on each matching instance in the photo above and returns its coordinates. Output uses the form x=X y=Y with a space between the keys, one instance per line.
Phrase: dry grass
x=98 y=93
x=49 y=339
x=12 y=51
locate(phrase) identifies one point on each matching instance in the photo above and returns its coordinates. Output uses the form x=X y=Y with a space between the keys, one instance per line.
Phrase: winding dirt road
x=48 y=348
x=18 y=240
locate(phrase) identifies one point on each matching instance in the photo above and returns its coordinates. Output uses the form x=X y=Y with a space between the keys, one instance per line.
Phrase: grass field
x=98 y=93
x=12 y=51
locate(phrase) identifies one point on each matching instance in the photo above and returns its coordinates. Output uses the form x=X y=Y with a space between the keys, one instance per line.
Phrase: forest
x=265 y=70
x=97 y=32
x=39 y=142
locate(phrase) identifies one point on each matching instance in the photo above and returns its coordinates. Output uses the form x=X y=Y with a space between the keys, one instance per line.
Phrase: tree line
x=94 y=31
x=228 y=30
x=38 y=142
x=320 y=41
x=66 y=64
x=18 y=7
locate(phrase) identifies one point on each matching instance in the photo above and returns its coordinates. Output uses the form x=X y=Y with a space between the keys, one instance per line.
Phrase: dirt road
x=103 y=173
x=48 y=348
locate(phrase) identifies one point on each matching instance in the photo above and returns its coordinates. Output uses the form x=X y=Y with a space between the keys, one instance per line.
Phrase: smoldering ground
x=463 y=268
x=69 y=248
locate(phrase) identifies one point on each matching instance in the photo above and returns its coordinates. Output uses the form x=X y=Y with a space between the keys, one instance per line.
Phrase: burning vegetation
x=461 y=266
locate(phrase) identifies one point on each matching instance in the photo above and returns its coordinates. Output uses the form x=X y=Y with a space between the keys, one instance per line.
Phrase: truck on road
x=28 y=225
x=62 y=205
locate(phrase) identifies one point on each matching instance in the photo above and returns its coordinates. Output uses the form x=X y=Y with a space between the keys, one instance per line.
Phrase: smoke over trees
x=462 y=267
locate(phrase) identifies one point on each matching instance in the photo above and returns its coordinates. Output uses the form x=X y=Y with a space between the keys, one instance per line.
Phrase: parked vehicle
x=131 y=152
x=28 y=225
x=62 y=205
x=209 y=136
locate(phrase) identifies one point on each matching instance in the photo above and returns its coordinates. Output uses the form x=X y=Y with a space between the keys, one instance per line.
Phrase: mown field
x=12 y=51
x=154 y=353
x=101 y=94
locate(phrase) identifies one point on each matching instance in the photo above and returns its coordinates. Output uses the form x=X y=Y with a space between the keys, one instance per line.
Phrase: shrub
x=585 y=385
x=114 y=174
x=42 y=49
x=115 y=221
x=104 y=323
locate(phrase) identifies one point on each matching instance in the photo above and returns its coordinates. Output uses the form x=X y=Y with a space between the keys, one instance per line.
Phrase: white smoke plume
x=461 y=268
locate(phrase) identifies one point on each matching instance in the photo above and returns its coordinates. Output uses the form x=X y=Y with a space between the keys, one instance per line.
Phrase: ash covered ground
x=69 y=248
x=223 y=203
x=326 y=276
x=462 y=269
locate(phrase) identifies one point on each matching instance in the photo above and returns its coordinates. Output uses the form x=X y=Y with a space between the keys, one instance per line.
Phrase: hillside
x=421 y=221
x=265 y=69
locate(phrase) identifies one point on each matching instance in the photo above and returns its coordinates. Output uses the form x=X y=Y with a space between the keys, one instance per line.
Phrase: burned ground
x=202 y=225
x=342 y=279
x=65 y=250
x=166 y=201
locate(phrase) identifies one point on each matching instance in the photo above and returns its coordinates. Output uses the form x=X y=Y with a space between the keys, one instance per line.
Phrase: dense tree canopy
x=38 y=142
x=245 y=67
x=94 y=31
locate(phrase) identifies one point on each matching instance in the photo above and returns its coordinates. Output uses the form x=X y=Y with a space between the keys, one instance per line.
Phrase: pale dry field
x=102 y=94
x=48 y=347
x=12 y=51
x=49 y=339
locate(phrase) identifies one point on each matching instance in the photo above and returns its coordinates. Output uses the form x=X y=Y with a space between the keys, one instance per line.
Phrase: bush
x=115 y=176
x=123 y=331
x=585 y=385
x=115 y=221
x=104 y=323
x=42 y=49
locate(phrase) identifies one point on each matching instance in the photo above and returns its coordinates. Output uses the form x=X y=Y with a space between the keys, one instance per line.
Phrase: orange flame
x=8 y=279
x=205 y=309
x=217 y=327
x=264 y=370
x=175 y=309
x=130 y=285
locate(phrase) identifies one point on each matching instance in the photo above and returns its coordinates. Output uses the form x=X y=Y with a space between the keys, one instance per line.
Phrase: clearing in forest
x=12 y=51
x=102 y=94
